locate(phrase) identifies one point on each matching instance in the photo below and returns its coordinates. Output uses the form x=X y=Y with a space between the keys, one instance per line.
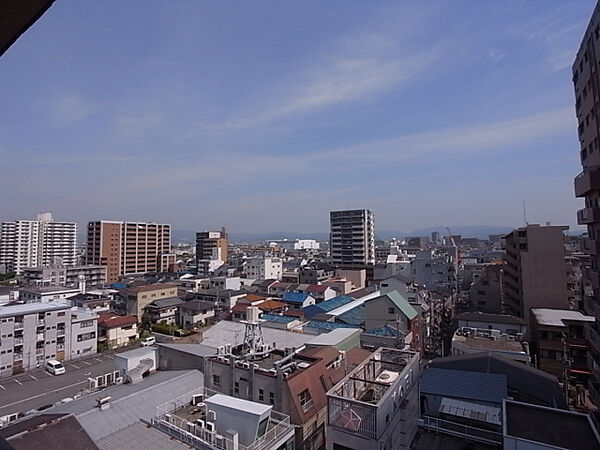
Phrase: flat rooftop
x=21 y=309
x=550 y=426
x=490 y=344
x=555 y=317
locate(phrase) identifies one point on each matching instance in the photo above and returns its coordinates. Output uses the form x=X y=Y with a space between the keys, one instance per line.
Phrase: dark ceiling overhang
x=16 y=16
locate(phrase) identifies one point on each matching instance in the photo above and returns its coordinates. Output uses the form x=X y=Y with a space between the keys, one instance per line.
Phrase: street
x=37 y=388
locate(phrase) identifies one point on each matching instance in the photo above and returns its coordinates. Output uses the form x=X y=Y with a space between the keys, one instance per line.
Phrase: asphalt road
x=37 y=388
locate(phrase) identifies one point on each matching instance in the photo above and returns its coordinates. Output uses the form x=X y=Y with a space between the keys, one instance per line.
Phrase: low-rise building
x=164 y=310
x=507 y=324
x=137 y=298
x=194 y=313
x=42 y=294
x=475 y=340
x=375 y=406
x=117 y=331
x=559 y=342
x=32 y=333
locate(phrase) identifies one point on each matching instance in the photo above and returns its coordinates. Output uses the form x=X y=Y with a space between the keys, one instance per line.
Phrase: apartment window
x=392 y=310
x=305 y=400
x=236 y=388
x=60 y=314
x=216 y=380
x=480 y=292
x=86 y=336
x=271 y=398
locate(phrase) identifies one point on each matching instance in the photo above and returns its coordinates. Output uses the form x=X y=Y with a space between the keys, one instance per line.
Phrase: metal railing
x=457 y=429
x=166 y=420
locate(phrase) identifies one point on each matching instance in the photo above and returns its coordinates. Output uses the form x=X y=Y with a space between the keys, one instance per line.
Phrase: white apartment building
x=352 y=237
x=32 y=333
x=264 y=268
x=37 y=243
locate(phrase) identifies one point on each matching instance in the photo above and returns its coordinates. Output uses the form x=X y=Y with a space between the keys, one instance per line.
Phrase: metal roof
x=400 y=302
x=277 y=318
x=328 y=305
x=485 y=387
x=355 y=316
x=555 y=317
x=385 y=330
x=31 y=308
x=295 y=297
x=131 y=402
x=327 y=325
x=138 y=436
x=238 y=403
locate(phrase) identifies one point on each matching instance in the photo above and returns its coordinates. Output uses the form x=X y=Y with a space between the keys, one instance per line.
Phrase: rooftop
x=295 y=297
x=150 y=287
x=556 y=317
x=165 y=303
x=49 y=289
x=492 y=318
x=554 y=427
x=277 y=318
x=111 y=320
x=18 y=309
x=484 y=387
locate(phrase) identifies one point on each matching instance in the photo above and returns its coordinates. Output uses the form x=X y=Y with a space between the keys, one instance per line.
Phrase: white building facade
x=37 y=243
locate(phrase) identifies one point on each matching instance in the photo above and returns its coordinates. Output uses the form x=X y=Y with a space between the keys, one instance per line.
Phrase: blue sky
x=264 y=116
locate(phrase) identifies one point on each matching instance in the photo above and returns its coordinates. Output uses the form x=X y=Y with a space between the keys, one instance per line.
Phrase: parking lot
x=39 y=388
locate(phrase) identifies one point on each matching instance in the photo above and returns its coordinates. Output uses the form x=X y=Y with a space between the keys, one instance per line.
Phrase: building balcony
x=590 y=246
x=19 y=325
x=18 y=356
x=18 y=340
x=588 y=215
x=586 y=182
x=593 y=276
x=593 y=337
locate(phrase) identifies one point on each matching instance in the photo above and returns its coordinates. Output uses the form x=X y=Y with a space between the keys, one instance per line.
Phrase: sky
x=264 y=116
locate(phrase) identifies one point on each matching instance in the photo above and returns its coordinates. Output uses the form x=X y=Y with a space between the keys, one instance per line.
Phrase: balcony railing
x=588 y=215
x=587 y=181
x=463 y=431
x=591 y=246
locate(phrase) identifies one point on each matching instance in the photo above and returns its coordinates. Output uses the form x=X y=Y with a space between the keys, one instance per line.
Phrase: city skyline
x=203 y=115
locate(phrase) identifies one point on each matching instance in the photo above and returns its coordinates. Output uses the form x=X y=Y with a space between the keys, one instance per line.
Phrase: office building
x=535 y=270
x=33 y=333
x=352 y=238
x=587 y=184
x=129 y=248
x=41 y=242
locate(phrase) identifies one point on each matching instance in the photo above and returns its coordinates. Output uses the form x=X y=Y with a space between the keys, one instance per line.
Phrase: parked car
x=55 y=367
x=150 y=340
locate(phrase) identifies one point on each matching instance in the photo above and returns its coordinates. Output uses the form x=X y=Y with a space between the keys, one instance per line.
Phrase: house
x=164 y=309
x=320 y=292
x=298 y=300
x=195 y=312
x=117 y=331
x=273 y=306
x=393 y=309
x=137 y=298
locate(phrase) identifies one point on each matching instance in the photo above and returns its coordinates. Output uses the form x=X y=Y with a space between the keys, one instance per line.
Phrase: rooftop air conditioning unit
x=212 y=416
x=246 y=365
x=200 y=423
x=220 y=441
x=210 y=426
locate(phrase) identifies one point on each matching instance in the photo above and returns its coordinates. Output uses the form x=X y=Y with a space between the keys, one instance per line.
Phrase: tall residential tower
x=586 y=81
x=352 y=238
x=38 y=243
x=129 y=247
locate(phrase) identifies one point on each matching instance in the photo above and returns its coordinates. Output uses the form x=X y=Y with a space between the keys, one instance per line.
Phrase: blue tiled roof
x=327 y=305
x=385 y=330
x=277 y=318
x=295 y=297
x=328 y=325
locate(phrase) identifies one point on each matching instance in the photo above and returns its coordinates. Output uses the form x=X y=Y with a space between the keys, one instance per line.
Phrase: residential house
x=195 y=313
x=117 y=331
x=164 y=310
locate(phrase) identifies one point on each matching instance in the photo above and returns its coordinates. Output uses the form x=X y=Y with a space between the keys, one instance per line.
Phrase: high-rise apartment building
x=352 y=237
x=38 y=243
x=210 y=246
x=129 y=247
x=586 y=81
x=535 y=270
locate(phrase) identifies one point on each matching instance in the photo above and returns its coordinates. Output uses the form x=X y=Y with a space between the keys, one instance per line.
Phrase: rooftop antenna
x=524 y=213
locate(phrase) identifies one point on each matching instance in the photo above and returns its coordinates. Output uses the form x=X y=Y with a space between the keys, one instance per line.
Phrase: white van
x=55 y=367
x=150 y=340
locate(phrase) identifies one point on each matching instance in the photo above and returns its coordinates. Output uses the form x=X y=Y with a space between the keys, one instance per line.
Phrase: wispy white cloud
x=558 y=34
x=70 y=108
x=456 y=142
x=138 y=126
